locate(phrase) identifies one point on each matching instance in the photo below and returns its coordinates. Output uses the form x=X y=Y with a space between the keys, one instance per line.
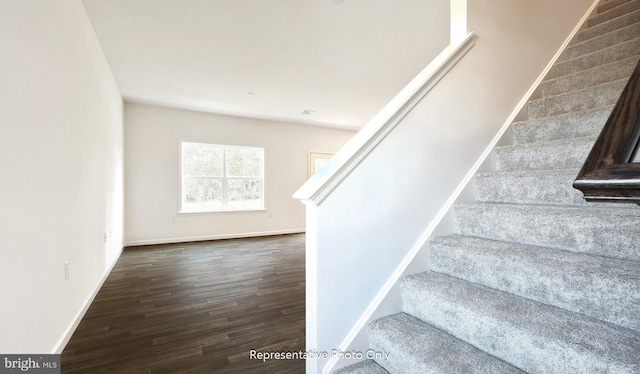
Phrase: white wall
x=371 y=221
x=61 y=159
x=152 y=138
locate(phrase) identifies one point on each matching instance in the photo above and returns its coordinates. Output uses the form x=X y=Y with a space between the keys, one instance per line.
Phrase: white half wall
x=368 y=224
x=152 y=138
x=61 y=147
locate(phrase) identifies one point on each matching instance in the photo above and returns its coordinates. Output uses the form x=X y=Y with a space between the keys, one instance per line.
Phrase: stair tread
x=582 y=90
x=535 y=173
x=601 y=287
x=604 y=231
x=604 y=27
x=585 y=79
x=586 y=98
x=547 y=172
x=604 y=6
x=546 y=187
x=605 y=34
x=549 y=143
x=565 y=115
x=597 y=58
x=587 y=123
x=363 y=367
x=589 y=70
x=530 y=335
x=421 y=348
x=612 y=46
x=535 y=187
x=613 y=13
x=544 y=155
x=634 y=211
x=604 y=40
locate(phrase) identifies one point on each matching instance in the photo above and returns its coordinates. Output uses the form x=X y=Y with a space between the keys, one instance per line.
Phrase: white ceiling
x=342 y=60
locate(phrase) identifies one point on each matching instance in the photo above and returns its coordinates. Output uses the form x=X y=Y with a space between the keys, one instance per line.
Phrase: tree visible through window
x=221 y=177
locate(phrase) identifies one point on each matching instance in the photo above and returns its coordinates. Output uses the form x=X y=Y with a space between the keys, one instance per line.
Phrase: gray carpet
x=536 y=280
x=364 y=367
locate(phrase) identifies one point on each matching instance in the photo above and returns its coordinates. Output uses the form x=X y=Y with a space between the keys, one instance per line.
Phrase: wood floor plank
x=196 y=308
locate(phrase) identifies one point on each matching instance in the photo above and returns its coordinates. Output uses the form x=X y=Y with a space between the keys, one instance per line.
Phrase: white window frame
x=224 y=179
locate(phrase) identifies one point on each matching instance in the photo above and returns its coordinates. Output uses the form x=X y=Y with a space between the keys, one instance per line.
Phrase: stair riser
x=558 y=278
x=482 y=318
x=592 y=60
x=564 y=155
x=592 y=231
x=536 y=188
x=575 y=125
x=377 y=343
x=594 y=97
x=589 y=78
x=549 y=189
x=621 y=10
x=606 y=27
x=615 y=37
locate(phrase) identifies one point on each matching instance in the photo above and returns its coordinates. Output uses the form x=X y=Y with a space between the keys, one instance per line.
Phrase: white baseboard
x=62 y=342
x=187 y=239
x=426 y=235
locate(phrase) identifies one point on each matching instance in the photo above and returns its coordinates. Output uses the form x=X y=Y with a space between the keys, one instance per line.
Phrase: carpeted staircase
x=536 y=280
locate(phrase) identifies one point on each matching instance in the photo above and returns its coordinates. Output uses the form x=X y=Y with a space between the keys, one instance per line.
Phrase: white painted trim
x=135 y=243
x=458 y=21
x=311 y=287
x=318 y=187
x=424 y=237
x=64 y=339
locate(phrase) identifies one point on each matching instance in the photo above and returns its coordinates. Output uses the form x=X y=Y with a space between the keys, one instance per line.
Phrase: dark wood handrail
x=609 y=173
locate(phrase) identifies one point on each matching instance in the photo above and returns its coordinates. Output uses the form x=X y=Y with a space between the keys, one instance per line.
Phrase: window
x=221 y=178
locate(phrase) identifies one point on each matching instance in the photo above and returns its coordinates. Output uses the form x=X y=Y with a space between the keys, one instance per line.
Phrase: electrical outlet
x=173 y=218
x=66 y=270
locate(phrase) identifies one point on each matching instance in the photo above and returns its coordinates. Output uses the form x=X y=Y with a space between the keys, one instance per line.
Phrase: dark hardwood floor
x=196 y=308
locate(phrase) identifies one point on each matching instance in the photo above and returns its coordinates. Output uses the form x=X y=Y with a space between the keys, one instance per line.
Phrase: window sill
x=216 y=212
